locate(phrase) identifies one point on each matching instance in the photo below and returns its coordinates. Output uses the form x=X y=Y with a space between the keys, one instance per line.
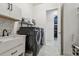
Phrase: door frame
x=62 y=27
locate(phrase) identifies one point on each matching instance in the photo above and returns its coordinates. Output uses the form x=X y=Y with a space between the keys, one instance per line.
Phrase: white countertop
x=7 y=38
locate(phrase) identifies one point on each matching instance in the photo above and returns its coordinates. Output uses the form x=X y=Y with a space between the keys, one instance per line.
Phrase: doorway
x=53 y=31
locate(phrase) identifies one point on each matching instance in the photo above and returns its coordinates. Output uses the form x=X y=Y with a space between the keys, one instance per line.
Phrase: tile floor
x=49 y=49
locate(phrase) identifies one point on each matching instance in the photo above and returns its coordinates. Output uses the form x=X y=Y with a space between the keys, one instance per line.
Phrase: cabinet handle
x=21 y=54
x=14 y=52
x=8 y=6
x=11 y=7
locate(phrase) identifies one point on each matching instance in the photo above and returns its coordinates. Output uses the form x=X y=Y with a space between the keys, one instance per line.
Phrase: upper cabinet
x=4 y=9
x=11 y=11
x=15 y=12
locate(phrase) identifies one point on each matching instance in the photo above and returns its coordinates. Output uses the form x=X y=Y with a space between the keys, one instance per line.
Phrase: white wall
x=70 y=26
x=27 y=9
x=40 y=12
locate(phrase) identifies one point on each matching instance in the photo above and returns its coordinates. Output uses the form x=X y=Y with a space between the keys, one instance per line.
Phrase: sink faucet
x=4 y=32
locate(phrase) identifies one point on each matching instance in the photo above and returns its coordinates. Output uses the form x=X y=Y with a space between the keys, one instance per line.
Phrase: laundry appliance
x=34 y=39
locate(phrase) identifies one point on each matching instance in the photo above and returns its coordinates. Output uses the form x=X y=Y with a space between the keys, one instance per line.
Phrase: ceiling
x=36 y=4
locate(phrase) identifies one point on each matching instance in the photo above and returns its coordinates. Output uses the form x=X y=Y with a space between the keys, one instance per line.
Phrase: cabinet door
x=15 y=12
x=4 y=9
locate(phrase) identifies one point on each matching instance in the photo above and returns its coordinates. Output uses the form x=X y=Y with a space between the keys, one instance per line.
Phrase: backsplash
x=6 y=24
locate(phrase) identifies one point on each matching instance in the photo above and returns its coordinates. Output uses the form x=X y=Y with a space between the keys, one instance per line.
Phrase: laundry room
x=39 y=29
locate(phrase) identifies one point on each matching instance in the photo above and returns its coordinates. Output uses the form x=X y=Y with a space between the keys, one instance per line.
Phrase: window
x=55 y=26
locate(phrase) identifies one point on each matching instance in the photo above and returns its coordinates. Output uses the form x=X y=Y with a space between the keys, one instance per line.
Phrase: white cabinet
x=10 y=10
x=13 y=47
x=15 y=12
x=15 y=51
x=4 y=9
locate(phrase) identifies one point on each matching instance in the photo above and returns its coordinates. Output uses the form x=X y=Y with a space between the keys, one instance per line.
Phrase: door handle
x=59 y=32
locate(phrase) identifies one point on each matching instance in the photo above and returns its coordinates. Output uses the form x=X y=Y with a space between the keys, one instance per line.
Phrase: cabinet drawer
x=15 y=51
x=9 y=45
